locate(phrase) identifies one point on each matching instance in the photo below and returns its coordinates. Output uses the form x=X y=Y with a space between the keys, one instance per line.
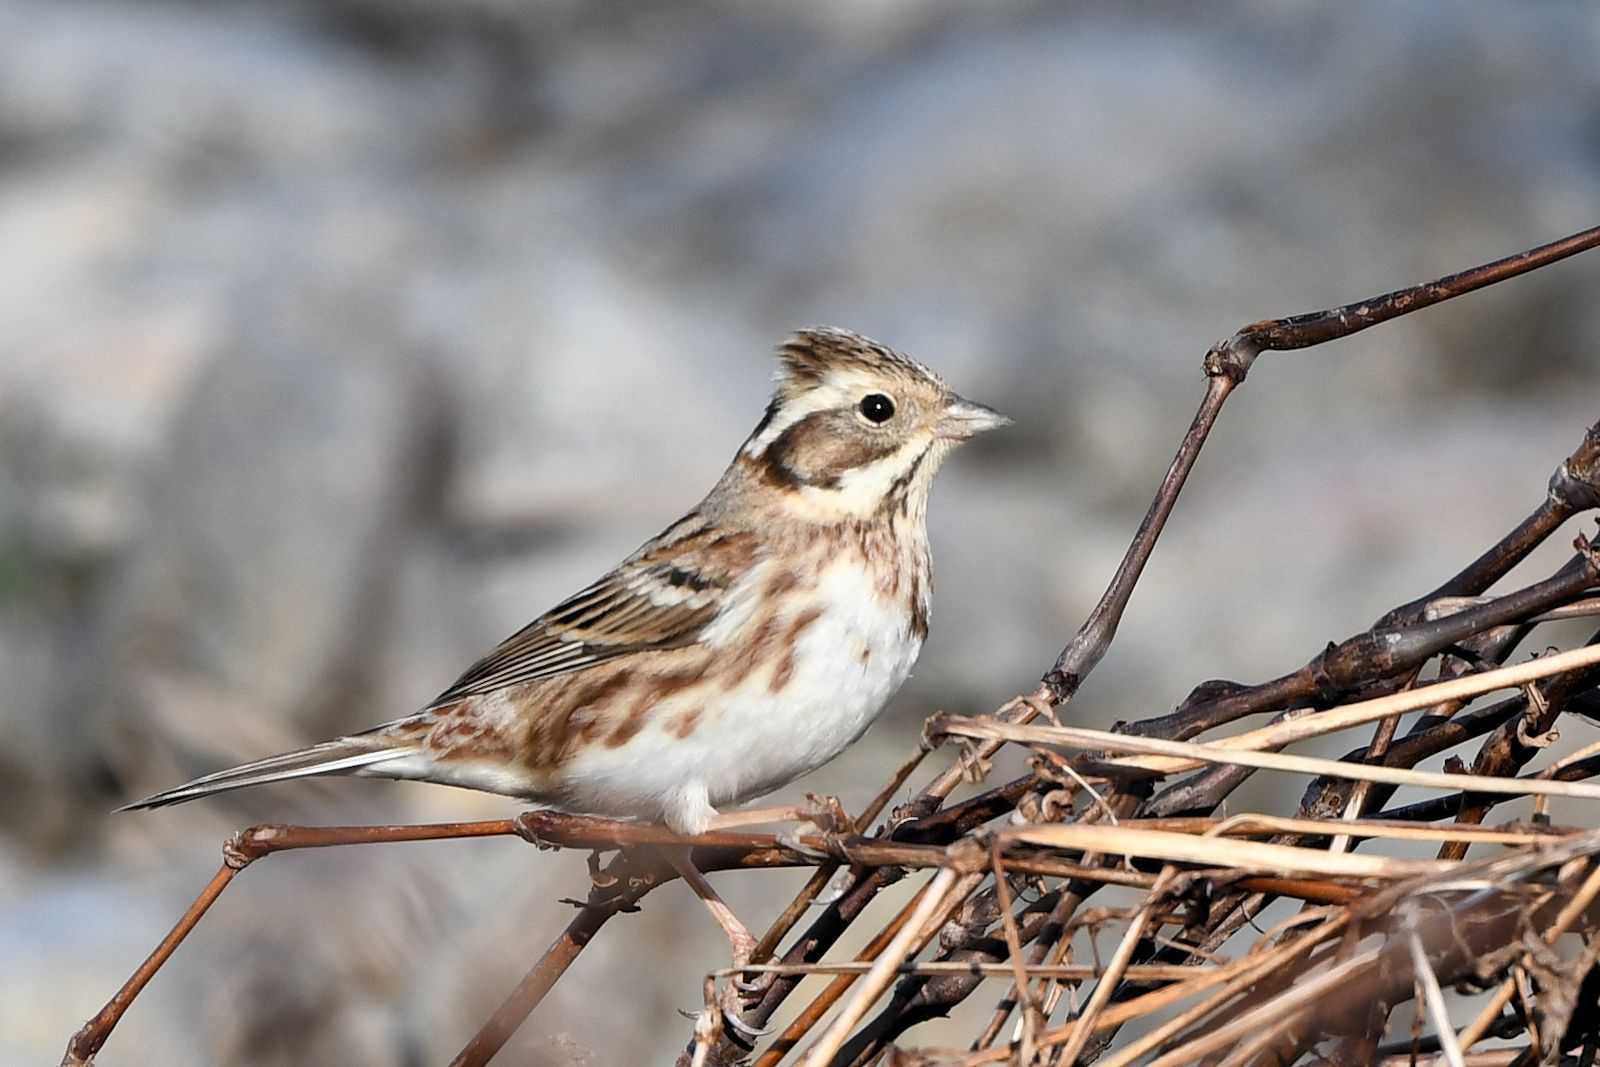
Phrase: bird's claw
x=733 y=1008
x=827 y=814
x=790 y=839
x=753 y=987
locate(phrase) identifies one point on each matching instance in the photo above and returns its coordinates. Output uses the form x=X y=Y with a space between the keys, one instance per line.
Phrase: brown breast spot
x=683 y=725
x=784 y=672
x=783 y=582
x=919 y=609
x=747 y=656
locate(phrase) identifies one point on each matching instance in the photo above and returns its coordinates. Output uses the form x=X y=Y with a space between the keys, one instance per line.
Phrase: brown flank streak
x=553 y=738
x=630 y=727
x=919 y=609
x=753 y=653
x=785 y=669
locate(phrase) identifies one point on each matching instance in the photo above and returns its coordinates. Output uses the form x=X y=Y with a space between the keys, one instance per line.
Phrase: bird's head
x=856 y=428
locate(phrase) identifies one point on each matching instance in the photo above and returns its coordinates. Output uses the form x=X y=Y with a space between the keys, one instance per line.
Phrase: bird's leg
x=740 y=939
x=825 y=813
x=756 y=816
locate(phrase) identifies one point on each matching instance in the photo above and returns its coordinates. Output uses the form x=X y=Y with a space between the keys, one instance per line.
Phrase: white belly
x=767 y=728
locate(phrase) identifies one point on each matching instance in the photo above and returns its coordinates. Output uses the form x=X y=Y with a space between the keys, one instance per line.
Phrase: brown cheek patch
x=820 y=449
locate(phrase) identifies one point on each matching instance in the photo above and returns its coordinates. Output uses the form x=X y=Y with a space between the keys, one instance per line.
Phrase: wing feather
x=661 y=597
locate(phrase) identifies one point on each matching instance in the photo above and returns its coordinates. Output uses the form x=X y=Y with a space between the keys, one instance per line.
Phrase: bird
x=747 y=644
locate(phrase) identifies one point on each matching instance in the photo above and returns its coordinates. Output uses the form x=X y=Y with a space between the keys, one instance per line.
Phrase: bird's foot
x=827 y=814
x=743 y=992
x=828 y=817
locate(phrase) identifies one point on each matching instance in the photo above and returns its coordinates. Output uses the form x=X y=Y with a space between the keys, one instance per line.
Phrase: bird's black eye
x=877 y=407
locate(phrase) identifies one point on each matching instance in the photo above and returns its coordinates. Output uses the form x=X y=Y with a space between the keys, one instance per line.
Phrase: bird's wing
x=661 y=597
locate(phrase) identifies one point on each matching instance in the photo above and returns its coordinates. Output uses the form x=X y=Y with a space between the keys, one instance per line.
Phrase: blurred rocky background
x=338 y=338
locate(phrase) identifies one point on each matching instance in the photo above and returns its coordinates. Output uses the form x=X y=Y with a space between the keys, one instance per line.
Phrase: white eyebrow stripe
x=837 y=390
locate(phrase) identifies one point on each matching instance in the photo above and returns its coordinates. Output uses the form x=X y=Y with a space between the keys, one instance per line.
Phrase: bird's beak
x=962 y=418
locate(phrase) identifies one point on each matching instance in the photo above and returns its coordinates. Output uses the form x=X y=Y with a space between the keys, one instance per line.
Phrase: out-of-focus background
x=340 y=338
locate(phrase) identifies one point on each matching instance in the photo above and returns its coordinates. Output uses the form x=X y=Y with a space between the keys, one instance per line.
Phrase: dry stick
x=1574 y=486
x=1362 y=829
x=785 y=922
x=1059 y=916
x=1264 y=887
x=1031 y=1020
x=934 y=901
x=1260 y=885
x=1506 y=751
x=1474 y=1031
x=1142 y=972
x=92 y=1035
x=1276 y=1008
x=820 y=1004
x=1192 y=753
x=498 y=1028
x=1435 y=731
x=1446 y=806
x=1433 y=998
x=1365 y=711
x=1119 y=960
x=1381 y=737
x=1312 y=824
x=242 y=849
x=1234 y=976
x=1209 y=851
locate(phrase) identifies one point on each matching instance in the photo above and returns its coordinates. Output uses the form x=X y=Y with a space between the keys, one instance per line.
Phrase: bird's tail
x=345 y=755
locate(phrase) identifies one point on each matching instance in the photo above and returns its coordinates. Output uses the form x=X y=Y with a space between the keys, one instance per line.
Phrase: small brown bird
x=747 y=644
